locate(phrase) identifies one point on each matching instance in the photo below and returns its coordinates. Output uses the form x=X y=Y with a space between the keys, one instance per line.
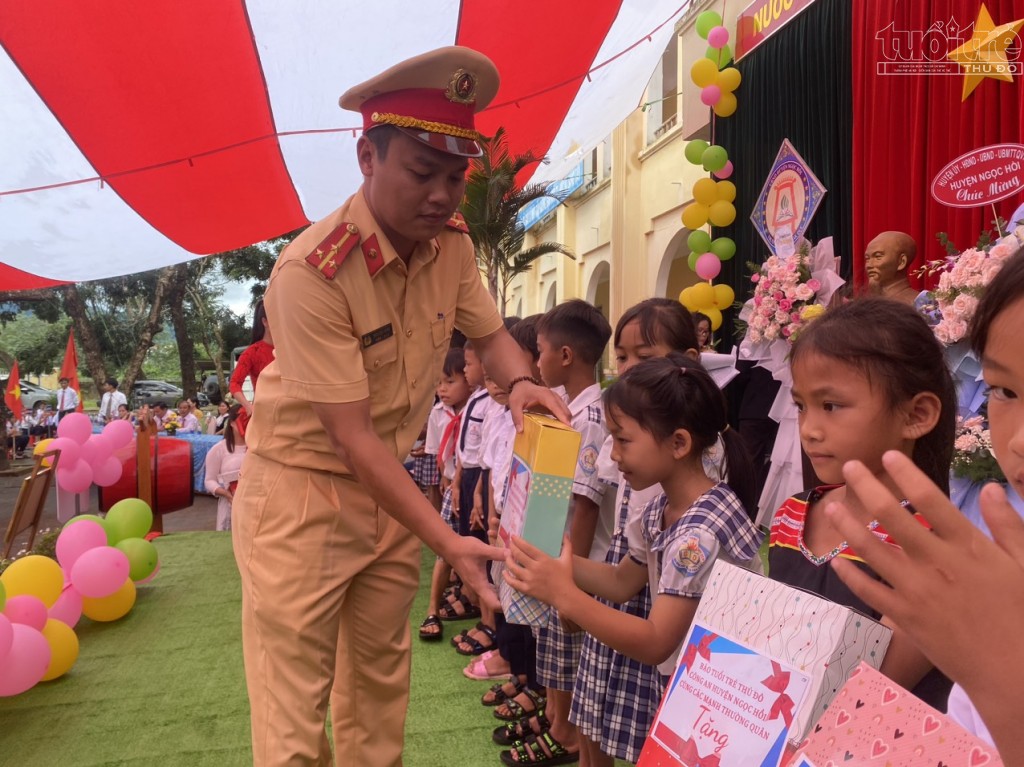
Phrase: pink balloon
x=26 y=661
x=26 y=610
x=120 y=433
x=710 y=95
x=75 y=478
x=718 y=37
x=68 y=607
x=708 y=266
x=97 y=450
x=70 y=451
x=6 y=637
x=76 y=427
x=108 y=473
x=725 y=172
x=100 y=572
x=74 y=540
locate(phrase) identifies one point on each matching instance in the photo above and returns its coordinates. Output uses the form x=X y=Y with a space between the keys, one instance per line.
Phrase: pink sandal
x=477 y=669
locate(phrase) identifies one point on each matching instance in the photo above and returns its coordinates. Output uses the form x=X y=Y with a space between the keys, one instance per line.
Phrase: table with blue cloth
x=201 y=445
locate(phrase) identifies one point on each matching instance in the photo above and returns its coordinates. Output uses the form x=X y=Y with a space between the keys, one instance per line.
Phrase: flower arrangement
x=783 y=290
x=171 y=423
x=972 y=456
x=962 y=278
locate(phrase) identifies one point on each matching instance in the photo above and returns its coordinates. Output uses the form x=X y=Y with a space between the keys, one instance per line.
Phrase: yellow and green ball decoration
x=717 y=81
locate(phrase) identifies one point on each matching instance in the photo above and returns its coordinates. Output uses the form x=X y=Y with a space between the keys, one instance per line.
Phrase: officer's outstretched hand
x=469 y=557
x=526 y=395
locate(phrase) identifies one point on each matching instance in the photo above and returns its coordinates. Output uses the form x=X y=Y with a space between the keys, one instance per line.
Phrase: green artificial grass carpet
x=165 y=684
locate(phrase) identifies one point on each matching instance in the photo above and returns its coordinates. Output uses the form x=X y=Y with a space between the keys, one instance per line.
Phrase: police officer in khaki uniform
x=327 y=524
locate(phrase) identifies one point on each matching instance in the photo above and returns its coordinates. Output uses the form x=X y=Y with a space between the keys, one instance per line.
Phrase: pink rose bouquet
x=782 y=288
x=962 y=279
x=972 y=455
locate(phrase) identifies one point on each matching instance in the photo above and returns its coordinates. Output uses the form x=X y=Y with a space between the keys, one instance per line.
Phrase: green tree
x=38 y=345
x=491 y=208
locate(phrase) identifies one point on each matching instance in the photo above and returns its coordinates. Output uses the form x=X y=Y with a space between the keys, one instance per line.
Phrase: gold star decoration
x=984 y=55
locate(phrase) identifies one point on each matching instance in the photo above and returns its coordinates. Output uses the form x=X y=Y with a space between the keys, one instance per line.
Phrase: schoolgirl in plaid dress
x=663 y=414
x=611 y=700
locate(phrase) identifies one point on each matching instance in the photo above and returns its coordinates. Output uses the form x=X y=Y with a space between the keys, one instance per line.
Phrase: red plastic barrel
x=171 y=471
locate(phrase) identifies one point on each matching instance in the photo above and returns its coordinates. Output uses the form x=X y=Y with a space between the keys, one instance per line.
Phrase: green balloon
x=706 y=22
x=713 y=159
x=130 y=518
x=699 y=241
x=691 y=260
x=142 y=557
x=97 y=519
x=721 y=56
x=724 y=248
x=3 y=596
x=694 y=149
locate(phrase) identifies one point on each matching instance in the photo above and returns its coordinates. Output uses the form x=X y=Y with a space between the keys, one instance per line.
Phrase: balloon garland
x=713 y=200
x=98 y=562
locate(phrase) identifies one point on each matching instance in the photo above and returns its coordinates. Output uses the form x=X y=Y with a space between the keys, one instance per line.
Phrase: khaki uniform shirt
x=372 y=330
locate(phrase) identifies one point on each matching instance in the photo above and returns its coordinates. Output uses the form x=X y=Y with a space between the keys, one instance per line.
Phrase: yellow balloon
x=724 y=296
x=714 y=315
x=722 y=213
x=702 y=296
x=686 y=299
x=729 y=79
x=35 y=575
x=726 y=105
x=703 y=72
x=63 y=648
x=726 y=191
x=705 y=192
x=117 y=605
x=695 y=215
x=41 y=447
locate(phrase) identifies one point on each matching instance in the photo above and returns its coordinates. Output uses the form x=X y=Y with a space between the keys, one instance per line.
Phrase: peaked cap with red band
x=432 y=97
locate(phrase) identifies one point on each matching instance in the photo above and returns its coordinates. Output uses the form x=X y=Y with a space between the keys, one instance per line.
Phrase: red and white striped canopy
x=141 y=134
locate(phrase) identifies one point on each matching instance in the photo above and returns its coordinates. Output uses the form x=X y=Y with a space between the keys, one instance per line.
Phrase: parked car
x=33 y=394
x=211 y=386
x=150 y=392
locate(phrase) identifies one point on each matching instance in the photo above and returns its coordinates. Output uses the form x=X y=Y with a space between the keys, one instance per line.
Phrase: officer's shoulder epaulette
x=458 y=223
x=332 y=251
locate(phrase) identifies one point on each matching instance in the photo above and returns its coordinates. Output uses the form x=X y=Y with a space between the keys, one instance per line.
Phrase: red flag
x=69 y=368
x=12 y=394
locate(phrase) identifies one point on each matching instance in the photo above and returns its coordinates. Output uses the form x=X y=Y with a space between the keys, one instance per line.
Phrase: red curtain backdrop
x=907 y=127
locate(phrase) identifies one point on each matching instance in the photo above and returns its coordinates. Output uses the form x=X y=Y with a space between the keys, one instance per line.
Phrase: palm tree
x=491 y=209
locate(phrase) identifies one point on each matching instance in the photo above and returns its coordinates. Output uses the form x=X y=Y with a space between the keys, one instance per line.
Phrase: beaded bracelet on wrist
x=520 y=379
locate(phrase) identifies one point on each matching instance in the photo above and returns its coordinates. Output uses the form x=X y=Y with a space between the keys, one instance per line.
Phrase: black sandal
x=510 y=734
x=448 y=611
x=475 y=646
x=461 y=636
x=539 y=749
x=499 y=695
x=516 y=710
x=429 y=622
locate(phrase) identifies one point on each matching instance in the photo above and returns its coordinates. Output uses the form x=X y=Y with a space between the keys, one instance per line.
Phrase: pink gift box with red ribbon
x=760 y=664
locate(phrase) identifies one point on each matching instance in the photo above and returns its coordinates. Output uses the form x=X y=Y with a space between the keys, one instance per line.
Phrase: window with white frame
x=663 y=94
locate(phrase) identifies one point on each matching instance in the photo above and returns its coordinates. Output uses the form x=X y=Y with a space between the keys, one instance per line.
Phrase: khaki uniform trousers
x=328 y=581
